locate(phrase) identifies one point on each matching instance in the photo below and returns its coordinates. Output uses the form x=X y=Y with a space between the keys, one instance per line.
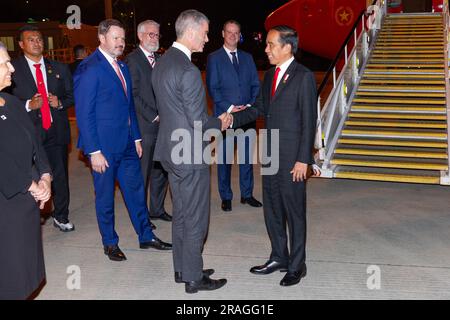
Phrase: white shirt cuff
x=27 y=106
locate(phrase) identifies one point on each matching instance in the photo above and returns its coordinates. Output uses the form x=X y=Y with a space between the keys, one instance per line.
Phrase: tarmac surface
x=365 y=240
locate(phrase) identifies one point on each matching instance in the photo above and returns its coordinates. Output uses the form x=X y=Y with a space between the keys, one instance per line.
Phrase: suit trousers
x=125 y=168
x=154 y=175
x=190 y=218
x=57 y=155
x=245 y=143
x=285 y=202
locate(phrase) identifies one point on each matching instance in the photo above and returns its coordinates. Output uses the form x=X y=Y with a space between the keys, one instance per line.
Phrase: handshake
x=227 y=120
x=227 y=117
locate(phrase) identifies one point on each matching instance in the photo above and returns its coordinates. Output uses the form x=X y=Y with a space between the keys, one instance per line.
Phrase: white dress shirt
x=283 y=67
x=31 y=64
x=183 y=48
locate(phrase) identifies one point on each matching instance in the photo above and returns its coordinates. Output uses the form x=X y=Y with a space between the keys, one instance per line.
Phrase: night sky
x=250 y=13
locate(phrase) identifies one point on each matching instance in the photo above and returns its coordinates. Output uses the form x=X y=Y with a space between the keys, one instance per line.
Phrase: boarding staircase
x=393 y=124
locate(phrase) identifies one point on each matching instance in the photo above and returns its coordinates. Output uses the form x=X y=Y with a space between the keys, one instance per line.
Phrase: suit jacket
x=226 y=86
x=292 y=110
x=105 y=114
x=144 y=98
x=59 y=83
x=23 y=158
x=181 y=100
x=74 y=65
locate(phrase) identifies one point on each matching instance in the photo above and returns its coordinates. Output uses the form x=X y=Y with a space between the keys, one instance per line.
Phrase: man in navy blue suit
x=109 y=135
x=233 y=83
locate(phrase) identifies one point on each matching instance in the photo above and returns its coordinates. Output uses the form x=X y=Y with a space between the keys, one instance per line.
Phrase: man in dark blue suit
x=233 y=83
x=109 y=134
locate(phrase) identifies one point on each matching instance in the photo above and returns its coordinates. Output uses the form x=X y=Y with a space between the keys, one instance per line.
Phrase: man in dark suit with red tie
x=46 y=90
x=141 y=63
x=288 y=102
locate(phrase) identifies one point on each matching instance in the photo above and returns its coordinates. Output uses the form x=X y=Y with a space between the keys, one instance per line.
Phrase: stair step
x=399 y=109
x=406 y=66
x=384 y=36
x=396 y=124
x=410 y=52
x=400 y=61
x=396 y=116
x=395 y=143
x=399 y=94
x=404 y=81
x=391 y=153
x=423 y=89
x=394 y=134
x=409 y=42
x=406 y=75
x=399 y=101
x=387 y=177
x=390 y=164
x=409 y=72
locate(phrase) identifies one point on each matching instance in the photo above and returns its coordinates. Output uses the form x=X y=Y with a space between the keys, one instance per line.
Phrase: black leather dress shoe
x=164 y=216
x=252 y=202
x=269 y=267
x=114 y=253
x=226 y=205
x=179 y=275
x=204 y=284
x=292 y=278
x=155 y=243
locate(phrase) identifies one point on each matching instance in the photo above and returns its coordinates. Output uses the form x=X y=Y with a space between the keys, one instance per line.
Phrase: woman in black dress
x=24 y=186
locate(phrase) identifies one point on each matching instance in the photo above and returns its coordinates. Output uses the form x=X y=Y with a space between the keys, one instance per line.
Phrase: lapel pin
x=286 y=76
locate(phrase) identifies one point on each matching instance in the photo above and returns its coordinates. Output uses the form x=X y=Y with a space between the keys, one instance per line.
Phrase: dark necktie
x=274 y=82
x=235 y=62
x=151 y=59
x=45 y=109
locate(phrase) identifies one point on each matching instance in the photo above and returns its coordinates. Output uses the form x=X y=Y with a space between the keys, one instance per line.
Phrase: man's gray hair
x=141 y=25
x=189 y=19
x=2 y=46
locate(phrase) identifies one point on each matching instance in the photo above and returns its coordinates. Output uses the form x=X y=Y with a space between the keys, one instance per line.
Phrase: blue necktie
x=235 y=62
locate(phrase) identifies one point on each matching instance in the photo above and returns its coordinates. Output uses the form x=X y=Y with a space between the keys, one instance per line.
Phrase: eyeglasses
x=154 y=35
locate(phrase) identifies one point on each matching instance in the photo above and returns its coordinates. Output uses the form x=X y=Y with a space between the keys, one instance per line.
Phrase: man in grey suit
x=141 y=63
x=181 y=102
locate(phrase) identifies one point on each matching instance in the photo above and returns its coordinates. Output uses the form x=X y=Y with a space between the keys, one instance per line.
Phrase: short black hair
x=78 y=50
x=28 y=27
x=287 y=36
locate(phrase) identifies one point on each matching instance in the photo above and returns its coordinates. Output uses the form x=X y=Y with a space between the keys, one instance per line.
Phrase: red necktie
x=151 y=58
x=45 y=109
x=119 y=74
x=274 y=82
